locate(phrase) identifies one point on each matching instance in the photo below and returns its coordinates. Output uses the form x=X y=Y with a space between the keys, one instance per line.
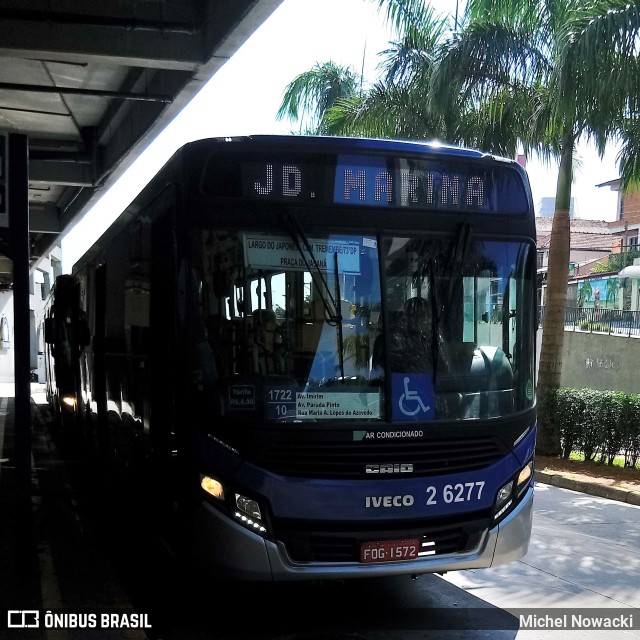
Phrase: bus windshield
x=352 y=327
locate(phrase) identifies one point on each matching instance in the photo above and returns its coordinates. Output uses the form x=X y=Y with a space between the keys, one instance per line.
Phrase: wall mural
x=599 y=294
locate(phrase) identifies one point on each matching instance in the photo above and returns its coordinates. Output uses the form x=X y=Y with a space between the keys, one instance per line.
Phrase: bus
x=319 y=354
x=65 y=335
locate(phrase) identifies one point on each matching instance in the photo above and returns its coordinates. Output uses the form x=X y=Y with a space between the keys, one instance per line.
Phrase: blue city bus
x=65 y=335
x=319 y=354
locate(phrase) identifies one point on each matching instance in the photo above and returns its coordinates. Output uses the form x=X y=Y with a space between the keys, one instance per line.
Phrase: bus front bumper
x=228 y=549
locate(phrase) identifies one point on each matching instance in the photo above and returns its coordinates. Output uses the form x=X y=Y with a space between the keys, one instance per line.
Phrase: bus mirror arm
x=84 y=336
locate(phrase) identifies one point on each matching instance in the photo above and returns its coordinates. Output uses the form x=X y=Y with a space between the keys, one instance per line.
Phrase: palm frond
x=629 y=154
x=598 y=68
x=384 y=112
x=406 y=15
x=310 y=94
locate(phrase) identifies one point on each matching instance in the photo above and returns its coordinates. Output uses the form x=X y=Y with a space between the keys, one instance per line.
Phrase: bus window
x=456 y=327
x=312 y=317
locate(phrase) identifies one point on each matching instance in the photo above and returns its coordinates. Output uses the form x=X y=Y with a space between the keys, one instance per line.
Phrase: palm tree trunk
x=555 y=304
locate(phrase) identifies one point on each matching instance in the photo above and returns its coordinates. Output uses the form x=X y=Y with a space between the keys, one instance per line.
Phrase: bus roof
x=351 y=144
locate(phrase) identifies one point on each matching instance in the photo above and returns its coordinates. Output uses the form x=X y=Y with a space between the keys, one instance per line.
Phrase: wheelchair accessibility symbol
x=412 y=396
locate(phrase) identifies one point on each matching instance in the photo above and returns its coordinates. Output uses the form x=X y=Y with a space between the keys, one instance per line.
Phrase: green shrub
x=630 y=427
x=597 y=424
x=568 y=409
x=609 y=413
x=591 y=436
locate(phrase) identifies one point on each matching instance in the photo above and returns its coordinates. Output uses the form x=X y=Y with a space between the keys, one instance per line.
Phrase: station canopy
x=91 y=84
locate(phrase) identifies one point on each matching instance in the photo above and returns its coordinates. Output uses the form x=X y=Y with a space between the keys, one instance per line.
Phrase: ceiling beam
x=44 y=219
x=79 y=91
x=128 y=23
x=61 y=172
x=92 y=43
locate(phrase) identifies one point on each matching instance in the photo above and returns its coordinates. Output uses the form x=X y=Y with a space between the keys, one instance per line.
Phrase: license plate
x=389 y=550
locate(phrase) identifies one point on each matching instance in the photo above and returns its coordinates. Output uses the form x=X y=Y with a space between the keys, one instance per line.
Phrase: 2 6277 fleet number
x=459 y=492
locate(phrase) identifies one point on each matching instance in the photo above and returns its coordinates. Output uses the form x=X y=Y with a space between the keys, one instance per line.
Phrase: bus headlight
x=524 y=476
x=213 y=487
x=69 y=401
x=505 y=498
x=248 y=506
x=504 y=494
x=249 y=513
x=246 y=510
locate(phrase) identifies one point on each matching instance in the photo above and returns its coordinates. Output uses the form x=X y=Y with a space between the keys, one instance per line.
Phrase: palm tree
x=538 y=74
x=598 y=72
x=334 y=100
x=611 y=292
x=584 y=293
x=576 y=63
x=486 y=85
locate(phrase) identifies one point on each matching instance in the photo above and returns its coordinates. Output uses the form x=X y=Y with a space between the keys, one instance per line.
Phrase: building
x=40 y=282
x=626 y=226
x=547 y=207
x=591 y=242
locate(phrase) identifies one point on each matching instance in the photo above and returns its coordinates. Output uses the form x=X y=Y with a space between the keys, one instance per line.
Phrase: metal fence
x=607 y=321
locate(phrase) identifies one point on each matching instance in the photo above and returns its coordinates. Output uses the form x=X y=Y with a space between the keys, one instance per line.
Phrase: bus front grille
x=357 y=459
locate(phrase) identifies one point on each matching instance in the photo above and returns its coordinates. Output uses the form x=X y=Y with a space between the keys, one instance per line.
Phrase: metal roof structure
x=632 y=271
x=91 y=84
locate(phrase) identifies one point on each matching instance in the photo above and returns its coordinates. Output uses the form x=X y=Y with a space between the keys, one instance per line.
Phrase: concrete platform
x=49 y=560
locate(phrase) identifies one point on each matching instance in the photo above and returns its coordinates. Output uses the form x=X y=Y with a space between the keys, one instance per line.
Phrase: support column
x=18 y=203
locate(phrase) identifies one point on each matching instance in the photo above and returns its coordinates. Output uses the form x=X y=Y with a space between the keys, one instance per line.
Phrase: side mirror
x=49 y=331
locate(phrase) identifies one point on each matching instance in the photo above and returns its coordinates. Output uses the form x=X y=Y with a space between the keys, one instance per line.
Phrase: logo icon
x=18 y=619
x=403 y=467
x=412 y=396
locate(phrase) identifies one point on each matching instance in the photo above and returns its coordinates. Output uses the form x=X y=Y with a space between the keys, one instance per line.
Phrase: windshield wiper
x=443 y=296
x=507 y=314
x=339 y=310
x=458 y=253
x=435 y=320
x=333 y=311
x=297 y=234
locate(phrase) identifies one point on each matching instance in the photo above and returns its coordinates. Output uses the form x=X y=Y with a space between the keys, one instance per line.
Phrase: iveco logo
x=404 y=467
x=387 y=501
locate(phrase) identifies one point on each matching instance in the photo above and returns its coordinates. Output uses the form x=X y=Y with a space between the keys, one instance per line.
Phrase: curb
x=601 y=491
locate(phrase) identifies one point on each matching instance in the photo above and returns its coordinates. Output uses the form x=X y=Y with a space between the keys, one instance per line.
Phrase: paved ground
x=49 y=562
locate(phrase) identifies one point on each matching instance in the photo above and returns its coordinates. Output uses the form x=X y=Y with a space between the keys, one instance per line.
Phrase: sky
x=245 y=94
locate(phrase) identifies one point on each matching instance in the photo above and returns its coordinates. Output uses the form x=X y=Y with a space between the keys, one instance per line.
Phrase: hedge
x=600 y=425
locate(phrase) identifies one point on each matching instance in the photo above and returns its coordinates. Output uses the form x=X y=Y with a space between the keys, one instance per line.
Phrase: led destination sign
x=388 y=182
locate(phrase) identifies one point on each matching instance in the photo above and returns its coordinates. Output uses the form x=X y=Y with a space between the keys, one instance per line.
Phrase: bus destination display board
x=375 y=181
